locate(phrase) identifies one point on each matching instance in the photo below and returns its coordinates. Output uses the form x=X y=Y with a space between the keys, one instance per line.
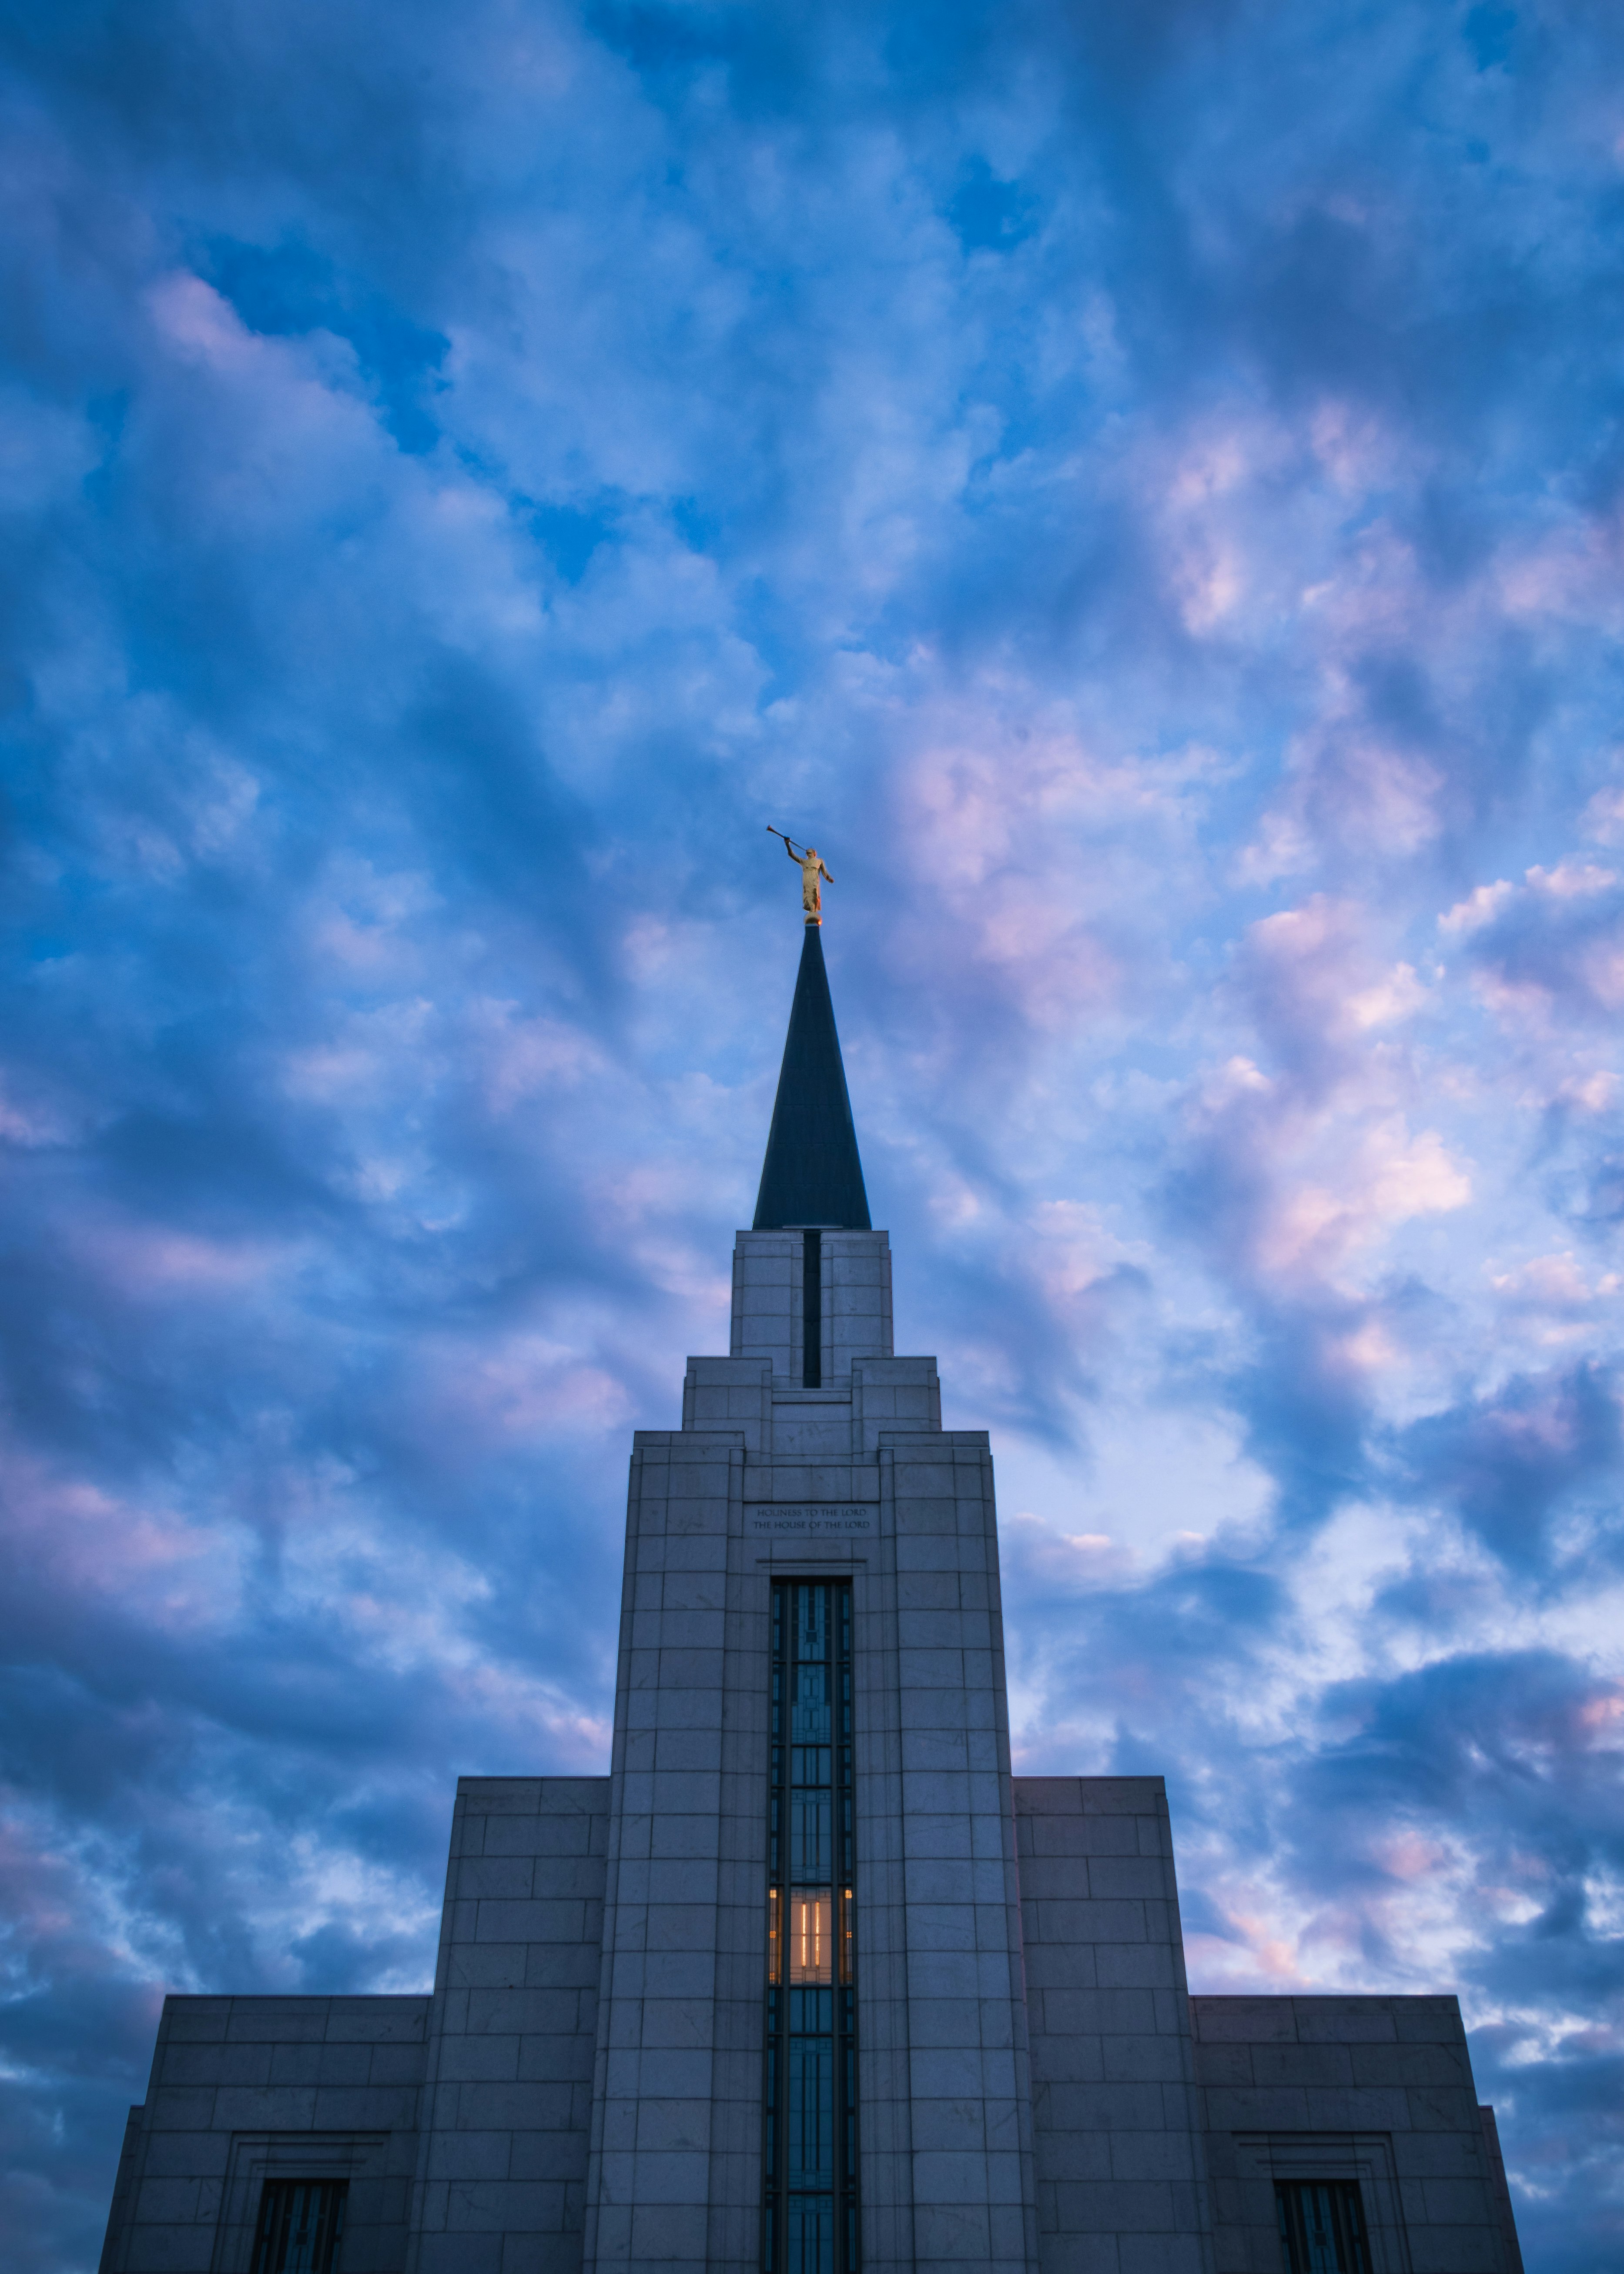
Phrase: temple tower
x=811 y=2036
x=808 y=1984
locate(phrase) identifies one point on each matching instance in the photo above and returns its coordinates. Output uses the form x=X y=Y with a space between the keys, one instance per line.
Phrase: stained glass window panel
x=811 y=2113
x=809 y=1716
x=811 y=2235
x=810 y=1826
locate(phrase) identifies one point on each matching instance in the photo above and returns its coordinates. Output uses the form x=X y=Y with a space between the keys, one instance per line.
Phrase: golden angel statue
x=814 y=875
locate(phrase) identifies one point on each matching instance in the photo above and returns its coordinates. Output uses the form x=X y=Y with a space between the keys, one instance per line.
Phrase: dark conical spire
x=812 y=1173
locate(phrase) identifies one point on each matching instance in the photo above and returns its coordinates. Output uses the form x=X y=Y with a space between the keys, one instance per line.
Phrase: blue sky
x=1143 y=489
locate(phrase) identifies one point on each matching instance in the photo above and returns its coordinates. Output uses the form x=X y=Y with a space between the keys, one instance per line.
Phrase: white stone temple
x=809 y=1982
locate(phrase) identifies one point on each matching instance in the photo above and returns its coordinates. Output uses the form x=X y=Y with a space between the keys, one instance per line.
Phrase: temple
x=809 y=1980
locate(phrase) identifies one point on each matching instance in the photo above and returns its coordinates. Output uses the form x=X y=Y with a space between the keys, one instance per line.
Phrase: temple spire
x=812 y=1174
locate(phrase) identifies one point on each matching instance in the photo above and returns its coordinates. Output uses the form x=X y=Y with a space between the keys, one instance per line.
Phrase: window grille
x=810 y=2223
x=301 y=2226
x=1322 y=2227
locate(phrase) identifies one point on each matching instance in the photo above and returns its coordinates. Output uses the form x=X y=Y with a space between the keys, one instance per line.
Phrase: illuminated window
x=811 y=2214
x=1321 y=2227
x=810 y=1945
x=301 y=2226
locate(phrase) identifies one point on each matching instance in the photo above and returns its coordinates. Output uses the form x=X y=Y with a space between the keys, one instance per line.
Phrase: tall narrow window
x=811 y=2212
x=301 y=2226
x=811 y=1310
x=1321 y=2227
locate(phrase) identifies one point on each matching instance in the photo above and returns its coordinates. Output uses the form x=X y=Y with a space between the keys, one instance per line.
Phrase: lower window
x=301 y=2226
x=1321 y=2227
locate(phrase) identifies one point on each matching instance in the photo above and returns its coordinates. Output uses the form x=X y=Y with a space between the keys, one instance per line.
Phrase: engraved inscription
x=811 y=1522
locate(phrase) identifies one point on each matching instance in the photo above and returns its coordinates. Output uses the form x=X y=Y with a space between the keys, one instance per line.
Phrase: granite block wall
x=776 y=1420
x=669 y=1903
x=970 y=2111
x=1501 y=2191
x=894 y=1395
x=767 y=1309
x=854 y=1307
x=499 y=2175
x=1121 y=2183
x=1378 y=2089
x=244 y=2090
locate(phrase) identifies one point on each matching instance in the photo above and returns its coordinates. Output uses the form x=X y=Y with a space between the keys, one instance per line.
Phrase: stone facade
x=1119 y=2152
x=244 y=2090
x=1376 y=2089
x=501 y=2164
x=856 y=1481
x=1036 y=2092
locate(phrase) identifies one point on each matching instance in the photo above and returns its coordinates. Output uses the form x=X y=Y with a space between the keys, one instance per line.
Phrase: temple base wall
x=1114 y=2102
x=1376 y=2089
x=507 y=2102
x=1159 y=2122
x=246 y=2090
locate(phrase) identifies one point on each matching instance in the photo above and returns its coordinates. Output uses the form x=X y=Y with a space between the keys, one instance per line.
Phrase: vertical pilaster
x=884 y=2102
x=648 y=2177
x=970 y=2110
x=734 y=2229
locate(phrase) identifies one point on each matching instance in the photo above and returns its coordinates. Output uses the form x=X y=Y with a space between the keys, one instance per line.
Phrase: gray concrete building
x=809 y=1982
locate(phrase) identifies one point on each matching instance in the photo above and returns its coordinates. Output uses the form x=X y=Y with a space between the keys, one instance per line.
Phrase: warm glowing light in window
x=809 y=1943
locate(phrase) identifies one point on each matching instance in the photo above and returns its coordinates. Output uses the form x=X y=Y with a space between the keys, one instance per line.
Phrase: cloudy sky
x=1143 y=488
